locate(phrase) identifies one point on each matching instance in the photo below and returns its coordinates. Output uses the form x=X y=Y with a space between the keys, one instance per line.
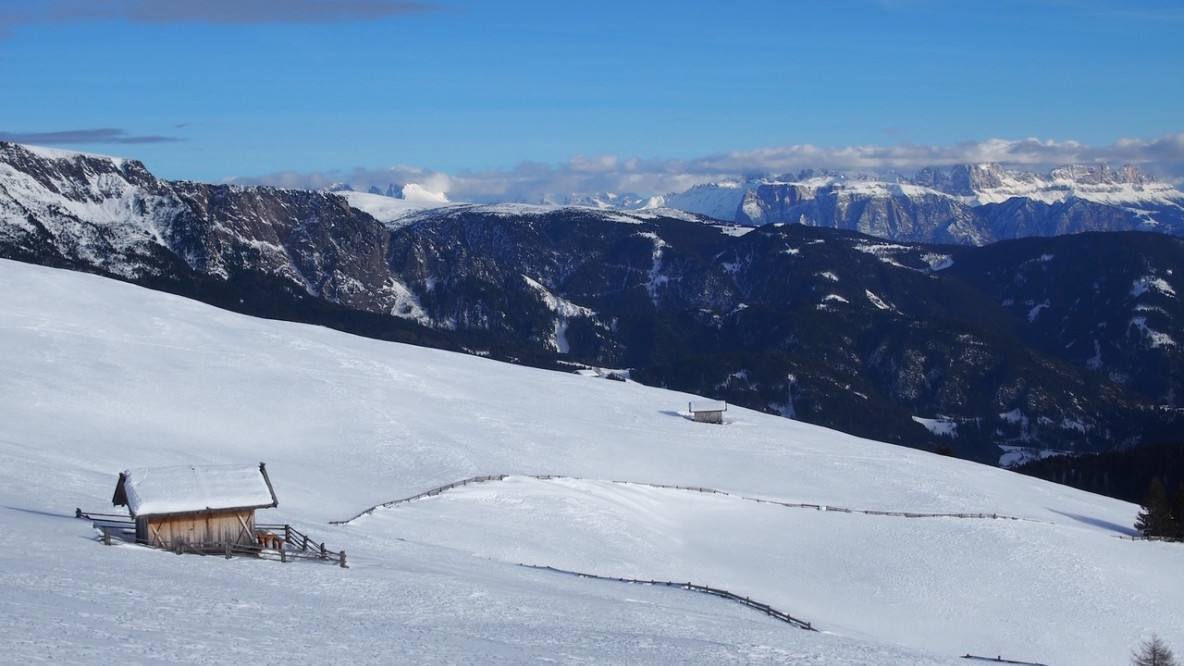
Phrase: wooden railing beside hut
x=273 y=541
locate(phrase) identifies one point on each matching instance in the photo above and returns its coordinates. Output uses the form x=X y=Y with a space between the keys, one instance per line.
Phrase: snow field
x=100 y=376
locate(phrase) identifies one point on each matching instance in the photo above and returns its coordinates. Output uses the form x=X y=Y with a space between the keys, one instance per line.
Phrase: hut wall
x=709 y=417
x=235 y=526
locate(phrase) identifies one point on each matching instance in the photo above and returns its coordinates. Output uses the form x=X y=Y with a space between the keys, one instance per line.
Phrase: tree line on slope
x=1124 y=475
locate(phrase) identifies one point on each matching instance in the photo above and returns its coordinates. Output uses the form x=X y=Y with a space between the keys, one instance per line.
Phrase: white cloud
x=1162 y=157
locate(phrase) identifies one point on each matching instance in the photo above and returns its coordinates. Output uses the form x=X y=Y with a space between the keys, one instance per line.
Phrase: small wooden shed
x=708 y=411
x=206 y=508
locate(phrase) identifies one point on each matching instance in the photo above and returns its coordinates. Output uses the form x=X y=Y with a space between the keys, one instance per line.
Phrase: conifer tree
x=1155 y=520
x=1154 y=652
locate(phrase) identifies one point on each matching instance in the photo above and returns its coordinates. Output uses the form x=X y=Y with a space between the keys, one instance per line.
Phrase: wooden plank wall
x=236 y=527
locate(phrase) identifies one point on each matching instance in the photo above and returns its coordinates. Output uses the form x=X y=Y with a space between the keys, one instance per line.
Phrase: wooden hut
x=708 y=411
x=207 y=508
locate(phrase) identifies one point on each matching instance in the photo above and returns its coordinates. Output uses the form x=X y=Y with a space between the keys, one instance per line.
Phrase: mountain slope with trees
x=1064 y=343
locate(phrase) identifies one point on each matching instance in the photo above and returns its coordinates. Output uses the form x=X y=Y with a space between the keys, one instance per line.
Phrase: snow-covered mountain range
x=966 y=204
x=1067 y=343
x=101 y=376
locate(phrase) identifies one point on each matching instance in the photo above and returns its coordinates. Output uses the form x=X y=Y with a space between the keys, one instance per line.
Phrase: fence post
x=324 y=555
x=343 y=560
x=228 y=550
x=283 y=556
x=287 y=534
x=106 y=536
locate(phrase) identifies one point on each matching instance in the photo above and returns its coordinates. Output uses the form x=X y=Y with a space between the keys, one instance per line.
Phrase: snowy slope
x=101 y=376
x=716 y=200
x=389 y=210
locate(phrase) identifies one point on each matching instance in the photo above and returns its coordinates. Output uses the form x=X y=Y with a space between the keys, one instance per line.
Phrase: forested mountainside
x=1063 y=343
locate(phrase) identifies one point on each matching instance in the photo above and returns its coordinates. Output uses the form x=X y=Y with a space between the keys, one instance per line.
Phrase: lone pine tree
x=1154 y=652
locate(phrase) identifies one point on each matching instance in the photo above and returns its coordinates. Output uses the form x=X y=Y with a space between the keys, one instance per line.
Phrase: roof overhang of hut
x=150 y=491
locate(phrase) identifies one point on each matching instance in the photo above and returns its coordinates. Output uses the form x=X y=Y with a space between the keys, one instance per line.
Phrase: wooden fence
x=1000 y=660
x=697 y=489
x=111 y=526
x=1140 y=537
x=428 y=493
x=764 y=608
x=817 y=507
x=298 y=545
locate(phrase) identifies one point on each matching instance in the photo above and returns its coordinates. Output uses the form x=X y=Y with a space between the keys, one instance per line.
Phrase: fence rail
x=427 y=493
x=1000 y=660
x=91 y=515
x=698 y=489
x=1140 y=537
x=302 y=546
x=820 y=507
x=705 y=589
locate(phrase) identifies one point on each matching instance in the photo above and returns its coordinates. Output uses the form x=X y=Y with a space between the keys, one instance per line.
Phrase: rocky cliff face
x=312 y=239
x=1064 y=343
x=893 y=213
x=78 y=210
x=88 y=211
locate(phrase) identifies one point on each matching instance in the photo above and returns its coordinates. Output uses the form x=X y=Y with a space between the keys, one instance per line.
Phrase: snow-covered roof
x=186 y=488
x=708 y=406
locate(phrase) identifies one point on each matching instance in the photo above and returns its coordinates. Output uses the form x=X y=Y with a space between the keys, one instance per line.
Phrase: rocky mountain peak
x=1100 y=174
x=77 y=176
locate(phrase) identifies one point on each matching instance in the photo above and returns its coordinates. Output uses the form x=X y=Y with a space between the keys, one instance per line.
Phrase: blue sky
x=579 y=94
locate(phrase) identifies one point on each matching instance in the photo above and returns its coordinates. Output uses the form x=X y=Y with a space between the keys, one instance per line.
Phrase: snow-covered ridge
x=388 y=210
x=398 y=212
x=960 y=204
x=93 y=203
x=942 y=205
x=69 y=155
x=973 y=185
x=717 y=200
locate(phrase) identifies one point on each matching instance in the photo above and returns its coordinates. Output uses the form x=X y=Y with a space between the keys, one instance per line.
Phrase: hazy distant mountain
x=1068 y=343
x=966 y=204
x=602 y=200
